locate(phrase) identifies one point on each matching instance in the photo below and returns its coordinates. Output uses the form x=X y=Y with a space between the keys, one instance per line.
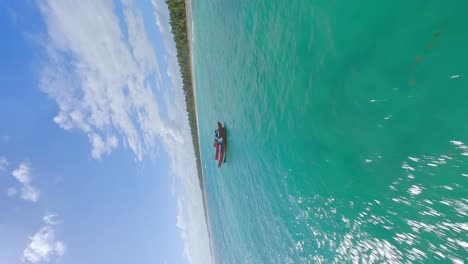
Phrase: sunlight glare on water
x=346 y=130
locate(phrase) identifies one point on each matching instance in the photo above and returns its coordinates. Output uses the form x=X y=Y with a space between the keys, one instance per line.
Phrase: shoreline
x=180 y=21
x=188 y=15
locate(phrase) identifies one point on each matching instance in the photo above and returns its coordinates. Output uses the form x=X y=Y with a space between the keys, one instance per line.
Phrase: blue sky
x=96 y=159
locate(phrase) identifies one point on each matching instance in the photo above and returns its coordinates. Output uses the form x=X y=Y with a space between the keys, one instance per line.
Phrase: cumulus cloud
x=23 y=175
x=50 y=219
x=102 y=76
x=100 y=79
x=176 y=100
x=191 y=220
x=43 y=246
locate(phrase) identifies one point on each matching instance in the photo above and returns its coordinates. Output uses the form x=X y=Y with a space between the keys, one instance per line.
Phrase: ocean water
x=347 y=129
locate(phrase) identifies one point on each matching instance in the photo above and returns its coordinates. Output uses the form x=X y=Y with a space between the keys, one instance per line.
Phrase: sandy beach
x=188 y=8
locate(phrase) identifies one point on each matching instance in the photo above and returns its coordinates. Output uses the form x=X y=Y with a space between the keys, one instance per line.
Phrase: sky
x=96 y=158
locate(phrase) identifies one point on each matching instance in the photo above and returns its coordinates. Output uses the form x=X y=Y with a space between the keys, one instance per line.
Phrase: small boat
x=220 y=144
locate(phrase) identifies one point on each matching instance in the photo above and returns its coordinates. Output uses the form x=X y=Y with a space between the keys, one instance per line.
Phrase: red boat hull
x=216 y=145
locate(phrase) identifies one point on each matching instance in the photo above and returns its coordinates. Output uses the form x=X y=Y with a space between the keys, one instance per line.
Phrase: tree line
x=178 y=22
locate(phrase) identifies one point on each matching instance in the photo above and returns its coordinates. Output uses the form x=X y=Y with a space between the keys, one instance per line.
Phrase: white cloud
x=60 y=248
x=43 y=245
x=50 y=219
x=100 y=146
x=191 y=220
x=23 y=175
x=101 y=82
x=161 y=14
x=29 y=193
x=3 y=163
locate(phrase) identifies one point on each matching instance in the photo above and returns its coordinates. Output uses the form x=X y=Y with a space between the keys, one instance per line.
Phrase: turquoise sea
x=347 y=129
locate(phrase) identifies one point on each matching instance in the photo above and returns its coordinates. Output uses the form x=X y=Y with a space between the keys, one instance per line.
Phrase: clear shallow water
x=347 y=131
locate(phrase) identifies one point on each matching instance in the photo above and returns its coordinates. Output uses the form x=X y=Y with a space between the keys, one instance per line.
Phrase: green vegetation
x=178 y=21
